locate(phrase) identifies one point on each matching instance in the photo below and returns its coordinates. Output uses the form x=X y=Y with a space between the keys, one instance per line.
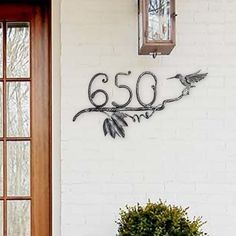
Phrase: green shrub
x=158 y=219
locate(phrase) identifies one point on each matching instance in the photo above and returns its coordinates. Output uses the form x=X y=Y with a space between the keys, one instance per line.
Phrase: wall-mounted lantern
x=156 y=27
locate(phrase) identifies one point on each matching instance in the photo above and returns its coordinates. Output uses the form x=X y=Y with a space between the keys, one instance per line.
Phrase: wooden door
x=25 y=111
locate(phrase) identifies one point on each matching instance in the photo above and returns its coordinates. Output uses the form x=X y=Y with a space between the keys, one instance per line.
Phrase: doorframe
x=56 y=116
x=55 y=74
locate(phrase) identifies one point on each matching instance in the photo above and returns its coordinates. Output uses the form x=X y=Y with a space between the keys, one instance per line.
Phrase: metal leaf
x=118 y=128
x=119 y=117
x=120 y=114
x=105 y=127
x=111 y=128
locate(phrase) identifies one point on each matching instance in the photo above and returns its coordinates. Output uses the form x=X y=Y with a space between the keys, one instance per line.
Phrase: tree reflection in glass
x=18 y=218
x=1 y=170
x=159 y=21
x=18 y=50
x=18 y=168
x=1 y=76
x=1 y=51
x=18 y=109
x=17 y=157
x=1 y=218
x=1 y=109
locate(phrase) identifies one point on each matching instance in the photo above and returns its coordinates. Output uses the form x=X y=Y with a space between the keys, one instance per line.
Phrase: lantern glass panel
x=159 y=20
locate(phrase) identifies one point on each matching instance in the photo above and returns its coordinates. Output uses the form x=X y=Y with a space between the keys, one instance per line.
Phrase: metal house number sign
x=117 y=115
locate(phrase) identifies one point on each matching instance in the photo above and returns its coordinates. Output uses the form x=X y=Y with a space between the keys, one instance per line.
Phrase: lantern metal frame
x=154 y=47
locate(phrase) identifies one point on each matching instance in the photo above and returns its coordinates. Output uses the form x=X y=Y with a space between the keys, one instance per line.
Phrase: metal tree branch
x=129 y=109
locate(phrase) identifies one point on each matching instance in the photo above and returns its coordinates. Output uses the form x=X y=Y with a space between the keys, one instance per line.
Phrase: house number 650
x=92 y=95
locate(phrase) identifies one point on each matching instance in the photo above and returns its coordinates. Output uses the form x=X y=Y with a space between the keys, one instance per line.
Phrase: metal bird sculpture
x=189 y=80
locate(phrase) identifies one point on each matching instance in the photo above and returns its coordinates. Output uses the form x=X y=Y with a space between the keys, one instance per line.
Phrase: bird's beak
x=172 y=77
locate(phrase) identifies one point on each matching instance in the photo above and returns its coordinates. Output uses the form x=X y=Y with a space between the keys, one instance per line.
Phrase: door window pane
x=18 y=218
x=18 y=50
x=18 y=109
x=1 y=218
x=1 y=169
x=1 y=51
x=1 y=111
x=18 y=168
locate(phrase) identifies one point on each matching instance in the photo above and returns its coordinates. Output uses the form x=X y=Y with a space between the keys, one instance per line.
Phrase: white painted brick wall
x=185 y=154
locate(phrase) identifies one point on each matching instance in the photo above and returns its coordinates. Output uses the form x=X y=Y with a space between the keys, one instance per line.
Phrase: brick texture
x=185 y=154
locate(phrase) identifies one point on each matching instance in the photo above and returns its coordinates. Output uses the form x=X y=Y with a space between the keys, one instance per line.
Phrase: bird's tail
x=196 y=77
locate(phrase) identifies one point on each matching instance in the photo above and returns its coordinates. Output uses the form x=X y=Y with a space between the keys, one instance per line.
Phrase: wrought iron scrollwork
x=91 y=95
x=123 y=87
x=154 y=87
x=117 y=115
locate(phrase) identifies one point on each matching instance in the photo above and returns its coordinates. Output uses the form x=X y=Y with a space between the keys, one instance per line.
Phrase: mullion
x=4 y=133
x=17 y=198
x=18 y=79
x=15 y=139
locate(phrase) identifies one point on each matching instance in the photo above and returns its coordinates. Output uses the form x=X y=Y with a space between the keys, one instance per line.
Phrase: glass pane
x=18 y=218
x=18 y=168
x=159 y=20
x=18 y=50
x=1 y=107
x=18 y=109
x=1 y=169
x=1 y=51
x=1 y=218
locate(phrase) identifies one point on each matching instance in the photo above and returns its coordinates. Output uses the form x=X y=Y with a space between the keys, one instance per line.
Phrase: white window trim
x=56 y=118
